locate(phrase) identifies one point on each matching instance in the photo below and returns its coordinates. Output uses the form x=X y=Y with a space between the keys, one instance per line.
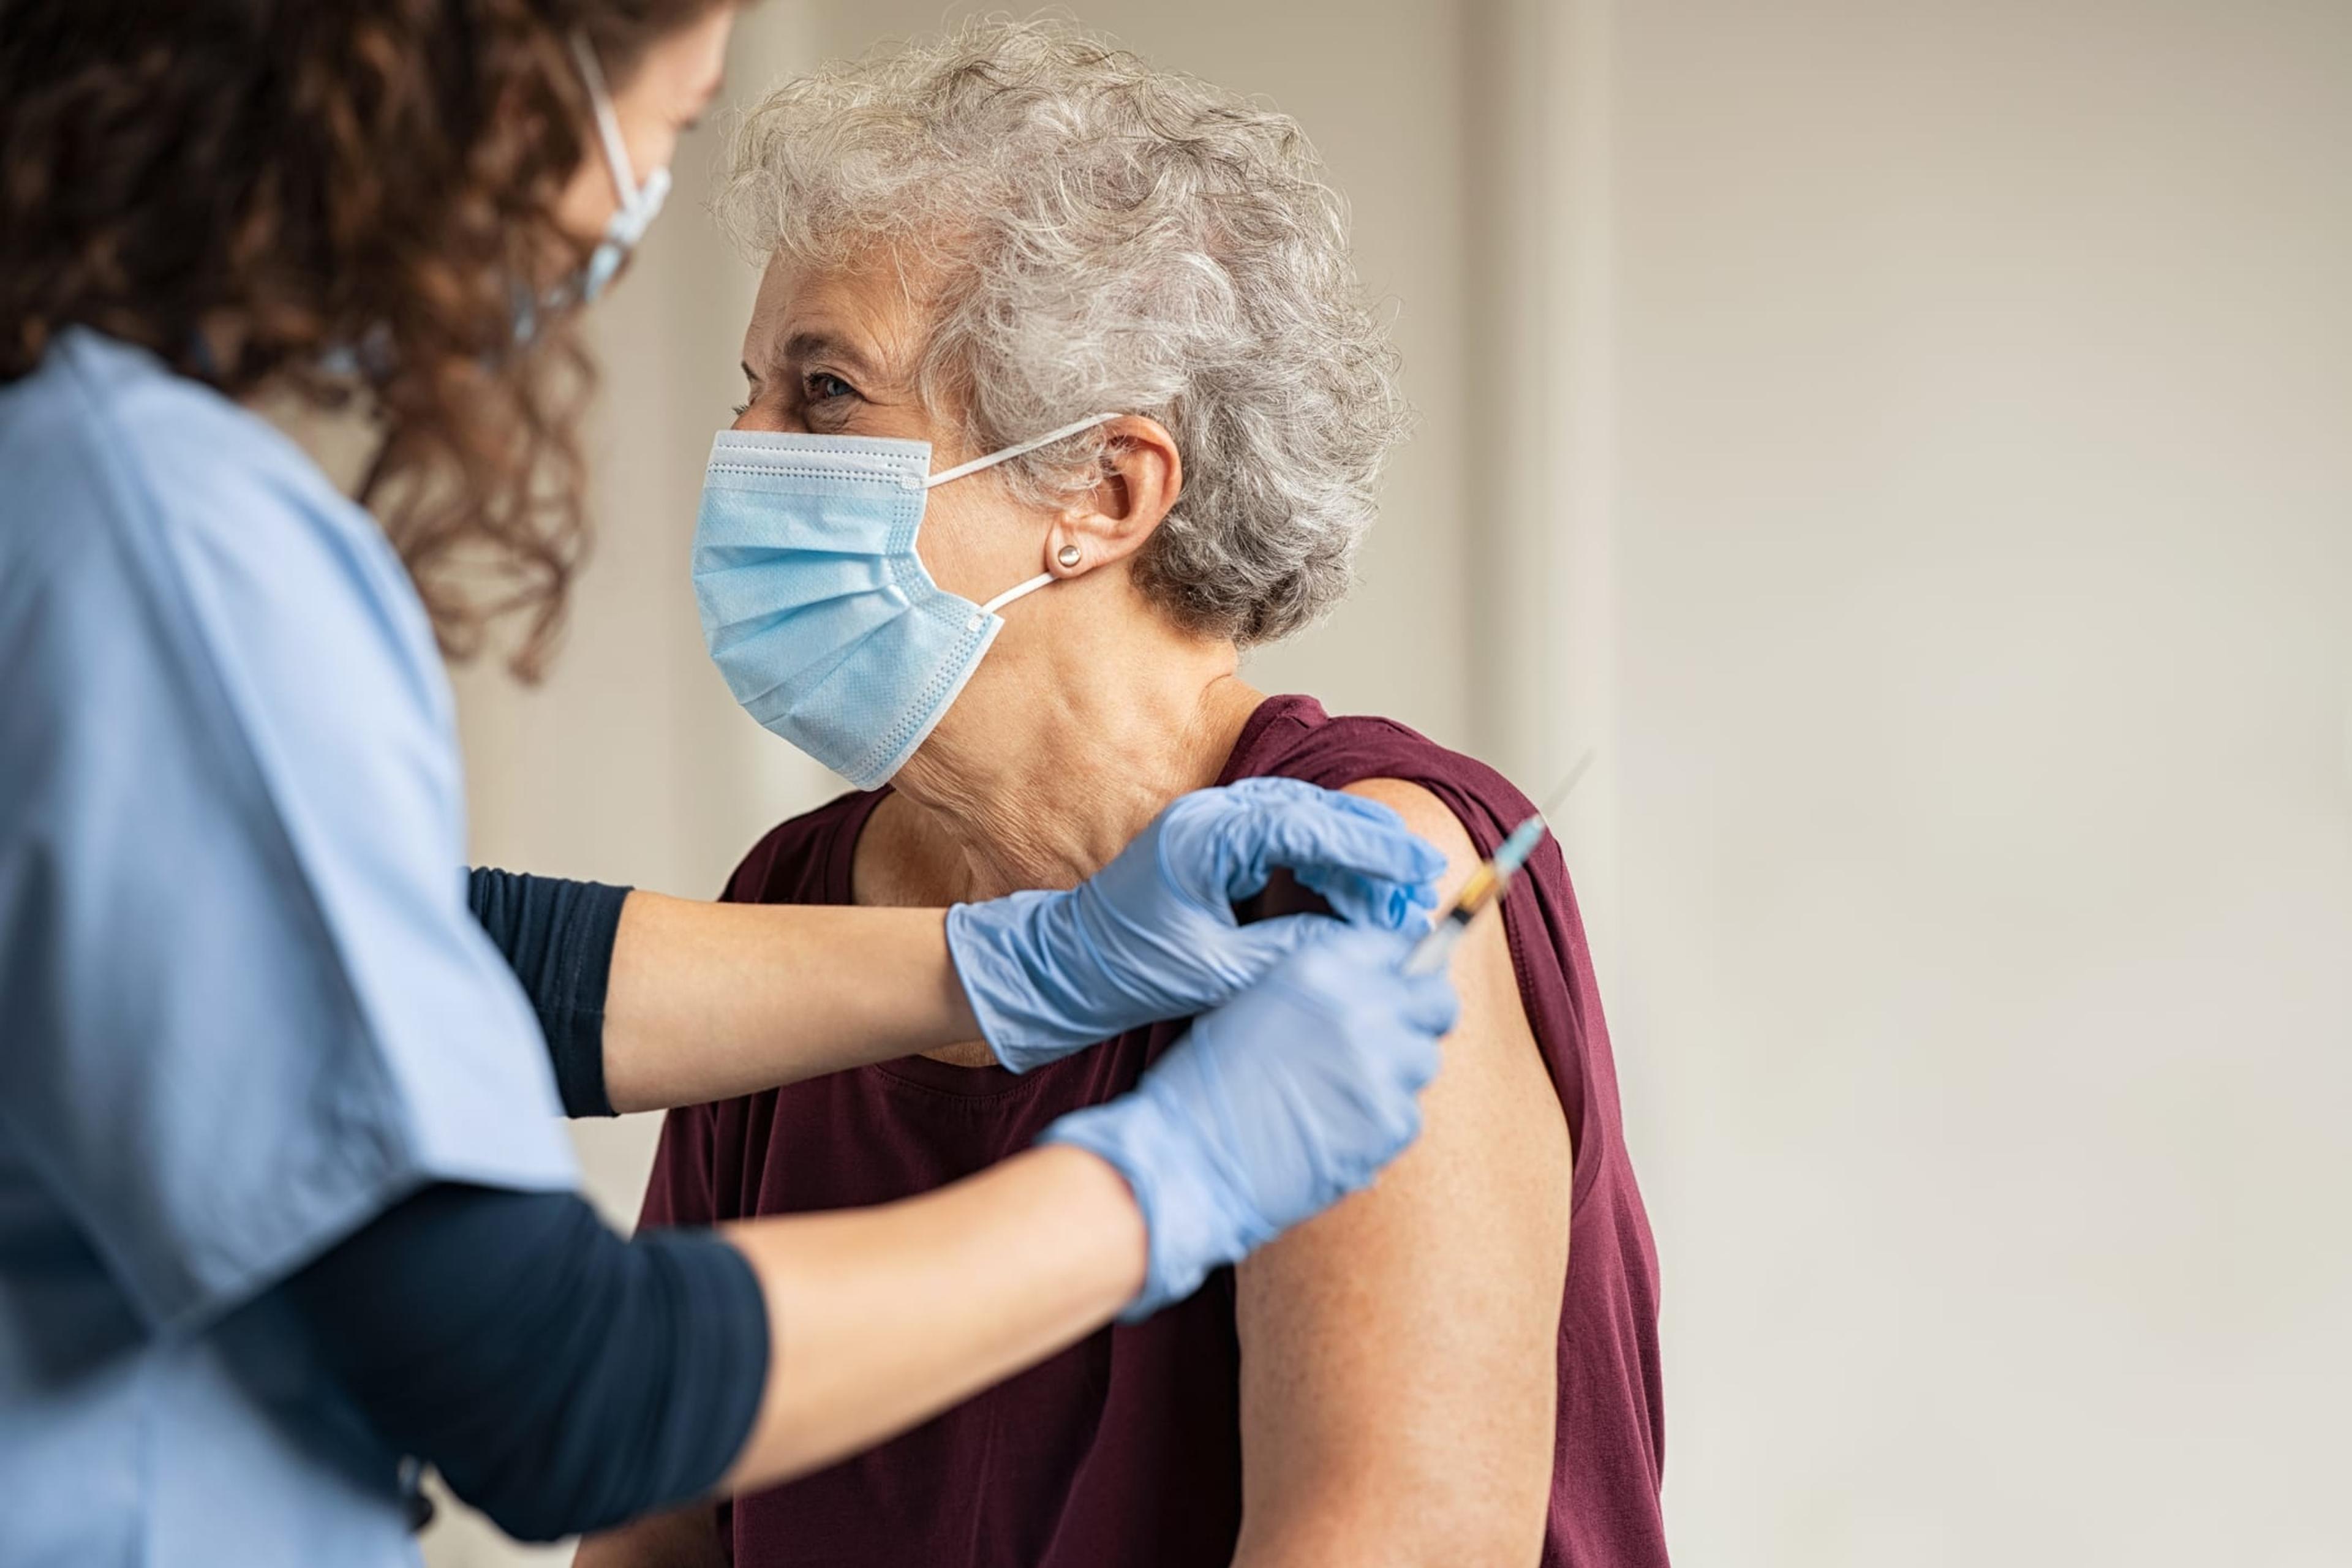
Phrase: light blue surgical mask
x=814 y=604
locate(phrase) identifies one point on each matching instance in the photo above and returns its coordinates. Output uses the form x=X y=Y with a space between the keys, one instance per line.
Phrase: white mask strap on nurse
x=640 y=203
x=1018 y=590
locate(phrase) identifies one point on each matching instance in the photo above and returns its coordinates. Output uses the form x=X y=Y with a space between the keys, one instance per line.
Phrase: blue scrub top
x=243 y=1007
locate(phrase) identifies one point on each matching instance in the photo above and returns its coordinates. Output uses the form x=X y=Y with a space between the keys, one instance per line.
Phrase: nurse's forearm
x=648 y=1001
x=710 y=1001
x=879 y=1318
x=562 y=1379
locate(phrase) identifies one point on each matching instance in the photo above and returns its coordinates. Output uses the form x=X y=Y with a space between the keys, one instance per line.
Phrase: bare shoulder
x=1492 y=1057
x=1429 y=816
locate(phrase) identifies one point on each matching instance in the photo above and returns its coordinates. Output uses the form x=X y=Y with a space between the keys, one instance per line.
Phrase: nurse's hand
x=1279 y=1103
x=1152 y=935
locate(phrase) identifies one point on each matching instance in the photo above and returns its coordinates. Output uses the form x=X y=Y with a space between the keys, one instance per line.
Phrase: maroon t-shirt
x=1125 y=1449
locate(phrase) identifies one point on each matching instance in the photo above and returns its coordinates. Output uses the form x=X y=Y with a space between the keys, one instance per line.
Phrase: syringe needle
x=1567 y=786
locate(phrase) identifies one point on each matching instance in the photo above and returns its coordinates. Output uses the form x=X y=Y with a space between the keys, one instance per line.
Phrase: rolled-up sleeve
x=558 y=937
x=246 y=1005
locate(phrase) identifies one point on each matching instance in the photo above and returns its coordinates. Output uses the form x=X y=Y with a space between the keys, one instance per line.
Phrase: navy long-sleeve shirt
x=558 y=938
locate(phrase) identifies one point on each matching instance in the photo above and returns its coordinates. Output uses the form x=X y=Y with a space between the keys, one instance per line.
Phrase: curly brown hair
x=333 y=199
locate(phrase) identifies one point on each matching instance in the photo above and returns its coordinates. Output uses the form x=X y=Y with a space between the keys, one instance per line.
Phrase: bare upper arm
x=1399 y=1353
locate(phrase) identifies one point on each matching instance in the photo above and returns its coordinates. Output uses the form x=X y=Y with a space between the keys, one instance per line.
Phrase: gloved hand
x=1280 y=1102
x=1152 y=934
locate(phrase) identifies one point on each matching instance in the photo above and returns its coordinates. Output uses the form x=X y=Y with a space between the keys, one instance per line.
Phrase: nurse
x=283 y=1212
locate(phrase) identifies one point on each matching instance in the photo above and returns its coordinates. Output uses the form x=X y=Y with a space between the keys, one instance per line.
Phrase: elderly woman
x=975 y=242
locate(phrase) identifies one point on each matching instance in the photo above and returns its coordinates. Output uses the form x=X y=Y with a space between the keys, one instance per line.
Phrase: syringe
x=1488 y=883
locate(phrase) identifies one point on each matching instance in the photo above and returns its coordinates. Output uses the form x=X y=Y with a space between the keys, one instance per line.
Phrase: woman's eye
x=825 y=387
x=741 y=409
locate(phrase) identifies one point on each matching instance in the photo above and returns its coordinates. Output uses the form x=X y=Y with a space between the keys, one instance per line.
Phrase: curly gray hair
x=1111 y=236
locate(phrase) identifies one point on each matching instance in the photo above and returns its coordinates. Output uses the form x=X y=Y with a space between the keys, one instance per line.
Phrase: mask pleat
x=873 y=709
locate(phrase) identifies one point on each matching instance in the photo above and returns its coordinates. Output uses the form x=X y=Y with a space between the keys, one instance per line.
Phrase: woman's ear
x=1143 y=476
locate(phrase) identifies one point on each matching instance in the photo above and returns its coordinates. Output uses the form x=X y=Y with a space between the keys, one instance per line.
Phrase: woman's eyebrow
x=802 y=347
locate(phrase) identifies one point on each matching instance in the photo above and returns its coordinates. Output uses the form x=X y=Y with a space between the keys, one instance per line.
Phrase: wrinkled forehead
x=875 y=303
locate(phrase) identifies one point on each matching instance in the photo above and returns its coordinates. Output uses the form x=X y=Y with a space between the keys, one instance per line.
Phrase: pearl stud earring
x=1069 y=555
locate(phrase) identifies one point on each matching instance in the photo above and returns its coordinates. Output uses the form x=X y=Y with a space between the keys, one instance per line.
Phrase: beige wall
x=1915 y=441
x=1985 y=645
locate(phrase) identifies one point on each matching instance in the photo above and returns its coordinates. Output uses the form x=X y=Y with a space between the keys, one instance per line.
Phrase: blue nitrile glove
x=1152 y=934
x=1281 y=1102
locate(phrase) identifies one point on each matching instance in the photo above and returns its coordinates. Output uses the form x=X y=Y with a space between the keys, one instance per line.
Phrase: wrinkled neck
x=1079 y=739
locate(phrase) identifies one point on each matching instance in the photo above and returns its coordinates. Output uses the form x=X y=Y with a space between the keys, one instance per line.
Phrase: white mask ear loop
x=1006 y=597
x=990 y=461
x=1047 y=439
x=608 y=124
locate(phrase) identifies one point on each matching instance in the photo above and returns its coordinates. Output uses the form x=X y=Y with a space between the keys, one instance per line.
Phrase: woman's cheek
x=969 y=547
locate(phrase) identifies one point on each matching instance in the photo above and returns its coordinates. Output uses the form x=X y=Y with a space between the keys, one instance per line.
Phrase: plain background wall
x=1915 y=442
x=1985 y=640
